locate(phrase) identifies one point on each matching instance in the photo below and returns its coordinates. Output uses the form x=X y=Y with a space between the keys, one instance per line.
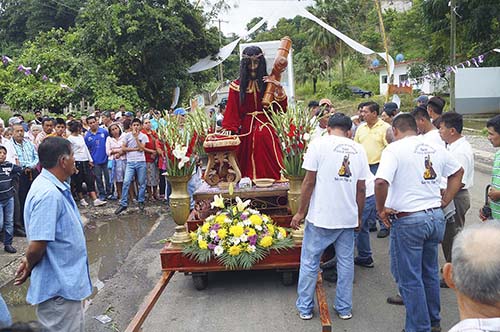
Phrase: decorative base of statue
x=222 y=167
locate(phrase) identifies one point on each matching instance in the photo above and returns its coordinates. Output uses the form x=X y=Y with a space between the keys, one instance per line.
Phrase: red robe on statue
x=259 y=154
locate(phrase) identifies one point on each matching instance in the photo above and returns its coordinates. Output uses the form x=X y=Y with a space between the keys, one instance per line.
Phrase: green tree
x=149 y=44
x=21 y=20
x=308 y=66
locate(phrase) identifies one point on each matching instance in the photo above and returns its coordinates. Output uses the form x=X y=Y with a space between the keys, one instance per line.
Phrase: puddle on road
x=108 y=246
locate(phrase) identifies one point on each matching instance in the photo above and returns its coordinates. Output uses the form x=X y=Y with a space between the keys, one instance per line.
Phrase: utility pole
x=453 y=50
x=386 y=47
x=221 y=73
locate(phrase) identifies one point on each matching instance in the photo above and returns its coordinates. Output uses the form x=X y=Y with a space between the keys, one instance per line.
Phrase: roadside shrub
x=341 y=91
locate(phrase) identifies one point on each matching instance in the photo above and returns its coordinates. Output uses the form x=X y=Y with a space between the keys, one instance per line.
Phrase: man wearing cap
x=408 y=199
x=323 y=114
x=422 y=101
x=435 y=107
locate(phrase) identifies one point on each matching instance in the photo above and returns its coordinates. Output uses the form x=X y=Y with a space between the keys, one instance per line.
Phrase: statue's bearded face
x=252 y=67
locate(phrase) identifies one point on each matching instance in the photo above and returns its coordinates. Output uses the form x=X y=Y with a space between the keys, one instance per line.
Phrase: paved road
x=257 y=301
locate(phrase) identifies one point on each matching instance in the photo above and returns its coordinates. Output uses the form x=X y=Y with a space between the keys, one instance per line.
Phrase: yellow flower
x=205 y=228
x=251 y=231
x=236 y=230
x=282 y=231
x=220 y=218
x=235 y=210
x=203 y=244
x=193 y=235
x=270 y=229
x=222 y=233
x=234 y=250
x=255 y=219
x=266 y=241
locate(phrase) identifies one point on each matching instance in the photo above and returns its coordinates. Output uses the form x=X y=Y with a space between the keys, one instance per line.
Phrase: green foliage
x=148 y=44
x=341 y=91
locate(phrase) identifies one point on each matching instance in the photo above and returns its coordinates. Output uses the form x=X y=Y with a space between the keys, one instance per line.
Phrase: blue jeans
x=362 y=237
x=5 y=318
x=315 y=241
x=103 y=188
x=7 y=219
x=139 y=169
x=372 y=222
x=414 y=245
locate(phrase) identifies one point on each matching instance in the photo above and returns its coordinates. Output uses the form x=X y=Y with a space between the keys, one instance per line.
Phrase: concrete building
x=477 y=90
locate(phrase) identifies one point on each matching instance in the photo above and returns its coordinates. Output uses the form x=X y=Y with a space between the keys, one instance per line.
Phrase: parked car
x=360 y=92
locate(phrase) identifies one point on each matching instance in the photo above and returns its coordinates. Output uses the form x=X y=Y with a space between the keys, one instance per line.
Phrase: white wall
x=402 y=69
x=477 y=90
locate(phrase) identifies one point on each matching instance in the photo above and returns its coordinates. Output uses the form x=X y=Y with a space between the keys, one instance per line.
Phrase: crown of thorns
x=252 y=57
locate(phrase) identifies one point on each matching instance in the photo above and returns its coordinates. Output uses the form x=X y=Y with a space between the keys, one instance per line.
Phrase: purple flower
x=5 y=60
x=20 y=68
x=27 y=72
x=244 y=216
x=252 y=240
x=211 y=246
x=215 y=227
x=216 y=238
x=44 y=78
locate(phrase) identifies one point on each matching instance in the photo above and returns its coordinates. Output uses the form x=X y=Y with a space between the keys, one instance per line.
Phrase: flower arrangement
x=179 y=138
x=294 y=128
x=237 y=236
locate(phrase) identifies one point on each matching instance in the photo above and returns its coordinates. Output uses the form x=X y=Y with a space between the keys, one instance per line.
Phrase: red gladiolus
x=291 y=133
x=288 y=150
x=301 y=146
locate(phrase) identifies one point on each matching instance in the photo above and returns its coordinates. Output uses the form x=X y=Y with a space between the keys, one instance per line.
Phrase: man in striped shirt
x=493 y=126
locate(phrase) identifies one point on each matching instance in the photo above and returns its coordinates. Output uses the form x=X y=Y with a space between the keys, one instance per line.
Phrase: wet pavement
x=109 y=241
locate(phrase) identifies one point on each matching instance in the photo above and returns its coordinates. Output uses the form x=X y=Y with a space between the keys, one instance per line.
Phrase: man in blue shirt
x=95 y=139
x=28 y=160
x=56 y=257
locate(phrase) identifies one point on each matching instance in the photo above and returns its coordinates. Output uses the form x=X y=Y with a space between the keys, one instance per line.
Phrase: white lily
x=182 y=162
x=218 y=202
x=307 y=137
x=240 y=205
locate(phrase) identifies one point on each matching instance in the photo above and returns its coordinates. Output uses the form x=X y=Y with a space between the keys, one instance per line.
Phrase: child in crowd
x=7 y=133
x=8 y=172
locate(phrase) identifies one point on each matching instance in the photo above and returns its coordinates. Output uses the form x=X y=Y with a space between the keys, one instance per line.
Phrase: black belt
x=406 y=214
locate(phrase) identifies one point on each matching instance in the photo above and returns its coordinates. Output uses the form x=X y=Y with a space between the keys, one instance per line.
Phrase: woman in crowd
x=117 y=157
x=84 y=164
x=35 y=129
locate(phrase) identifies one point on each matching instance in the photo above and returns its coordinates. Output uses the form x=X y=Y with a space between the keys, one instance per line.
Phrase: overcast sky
x=238 y=17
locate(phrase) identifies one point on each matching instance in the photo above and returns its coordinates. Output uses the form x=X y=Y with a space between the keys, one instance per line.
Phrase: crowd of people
x=412 y=173
x=118 y=156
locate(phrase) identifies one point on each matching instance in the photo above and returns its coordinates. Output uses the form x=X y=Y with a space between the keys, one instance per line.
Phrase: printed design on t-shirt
x=345 y=170
x=6 y=170
x=429 y=173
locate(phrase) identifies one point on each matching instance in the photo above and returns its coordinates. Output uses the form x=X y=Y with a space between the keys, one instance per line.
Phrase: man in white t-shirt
x=133 y=145
x=336 y=169
x=409 y=200
x=451 y=132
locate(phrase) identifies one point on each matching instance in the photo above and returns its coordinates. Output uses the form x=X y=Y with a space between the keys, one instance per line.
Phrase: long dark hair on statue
x=249 y=53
